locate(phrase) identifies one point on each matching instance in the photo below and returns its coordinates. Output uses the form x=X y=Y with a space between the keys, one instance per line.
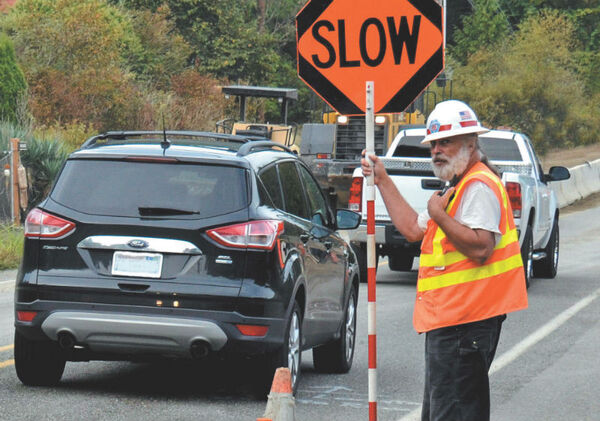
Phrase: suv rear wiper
x=151 y=211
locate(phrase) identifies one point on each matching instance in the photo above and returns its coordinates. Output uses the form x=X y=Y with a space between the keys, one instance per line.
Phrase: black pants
x=457 y=361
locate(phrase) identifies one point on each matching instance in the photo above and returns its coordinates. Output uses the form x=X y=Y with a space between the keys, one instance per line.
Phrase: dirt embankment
x=570 y=157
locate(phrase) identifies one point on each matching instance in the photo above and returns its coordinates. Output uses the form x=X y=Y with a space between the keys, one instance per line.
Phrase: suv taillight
x=355 y=200
x=40 y=224
x=253 y=234
x=514 y=195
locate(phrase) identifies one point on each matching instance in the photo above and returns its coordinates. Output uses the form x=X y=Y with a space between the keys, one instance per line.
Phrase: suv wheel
x=336 y=356
x=38 y=363
x=290 y=354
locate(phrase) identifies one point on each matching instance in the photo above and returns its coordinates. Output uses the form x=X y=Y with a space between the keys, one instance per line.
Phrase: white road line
x=7 y=282
x=520 y=348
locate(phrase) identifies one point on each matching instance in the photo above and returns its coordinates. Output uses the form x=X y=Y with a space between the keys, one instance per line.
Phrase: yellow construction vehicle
x=282 y=133
x=333 y=149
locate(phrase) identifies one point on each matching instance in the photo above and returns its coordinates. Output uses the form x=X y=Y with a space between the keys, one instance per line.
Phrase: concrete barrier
x=584 y=181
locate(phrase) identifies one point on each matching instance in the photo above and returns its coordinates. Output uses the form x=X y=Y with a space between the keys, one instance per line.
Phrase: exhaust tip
x=199 y=349
x=66 y=340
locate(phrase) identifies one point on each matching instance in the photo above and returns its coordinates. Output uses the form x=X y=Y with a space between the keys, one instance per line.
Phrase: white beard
x=455 y=166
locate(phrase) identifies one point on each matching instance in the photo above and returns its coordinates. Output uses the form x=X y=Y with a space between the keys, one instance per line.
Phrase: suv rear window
x=121 y=188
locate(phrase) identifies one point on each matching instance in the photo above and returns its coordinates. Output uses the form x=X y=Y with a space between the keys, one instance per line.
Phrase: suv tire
x=336 y=356
x=38 y=363
x=289 y=354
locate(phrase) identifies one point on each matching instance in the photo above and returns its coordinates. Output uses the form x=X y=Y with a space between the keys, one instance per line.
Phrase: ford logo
x=138 y=244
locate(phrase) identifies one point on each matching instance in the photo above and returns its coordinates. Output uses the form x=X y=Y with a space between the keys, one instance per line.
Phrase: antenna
x=165 y=142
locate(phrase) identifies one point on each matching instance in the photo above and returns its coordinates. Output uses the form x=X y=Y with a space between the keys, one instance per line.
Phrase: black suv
x=179 y=245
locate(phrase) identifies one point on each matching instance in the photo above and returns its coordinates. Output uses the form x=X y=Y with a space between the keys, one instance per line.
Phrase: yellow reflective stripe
x=431 y=260
x=468 y=275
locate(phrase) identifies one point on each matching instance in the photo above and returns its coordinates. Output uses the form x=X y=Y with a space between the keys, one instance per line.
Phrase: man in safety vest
x=470 y=270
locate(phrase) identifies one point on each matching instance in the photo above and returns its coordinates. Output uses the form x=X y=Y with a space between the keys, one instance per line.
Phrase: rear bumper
x=128 y=333
x=359 y=235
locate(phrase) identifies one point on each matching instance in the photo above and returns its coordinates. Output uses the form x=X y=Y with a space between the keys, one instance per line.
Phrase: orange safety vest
x=453 y=289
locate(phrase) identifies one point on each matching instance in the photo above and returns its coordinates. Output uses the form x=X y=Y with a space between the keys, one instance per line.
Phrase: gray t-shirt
x=478 y=209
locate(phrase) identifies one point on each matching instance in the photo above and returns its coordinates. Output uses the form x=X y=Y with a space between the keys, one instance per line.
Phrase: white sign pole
x=371 y=255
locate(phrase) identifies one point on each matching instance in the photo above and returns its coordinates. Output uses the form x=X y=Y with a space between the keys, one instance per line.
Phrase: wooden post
x=14 y=143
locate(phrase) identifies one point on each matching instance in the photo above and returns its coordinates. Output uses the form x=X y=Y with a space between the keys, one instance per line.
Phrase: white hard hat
x=452 y=118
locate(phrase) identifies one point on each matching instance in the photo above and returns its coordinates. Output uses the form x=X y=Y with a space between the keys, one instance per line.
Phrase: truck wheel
x=336 y=356
x=361 y=257
x=527 y=255
x=547 y=267
x=401 y=262
x=38 y=363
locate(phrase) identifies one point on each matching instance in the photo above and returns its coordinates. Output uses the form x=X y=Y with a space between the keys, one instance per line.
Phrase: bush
x=11 y=246
x=531 y=83
x=13 y=86
x=43 y=159
x=72 y=135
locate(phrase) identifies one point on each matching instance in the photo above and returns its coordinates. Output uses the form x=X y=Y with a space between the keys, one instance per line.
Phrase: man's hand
x=437 y=204
x=377 y=169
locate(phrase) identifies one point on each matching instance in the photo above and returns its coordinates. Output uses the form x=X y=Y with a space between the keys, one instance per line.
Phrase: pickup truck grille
x=408 y=165
x=350 y=139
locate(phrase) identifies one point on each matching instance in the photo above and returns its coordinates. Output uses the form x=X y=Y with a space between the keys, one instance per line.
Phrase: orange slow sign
x=397 y=44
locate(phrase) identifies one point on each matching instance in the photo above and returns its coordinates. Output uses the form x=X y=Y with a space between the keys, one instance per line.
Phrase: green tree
x=485 y=27
x=531 y=83
x=161 y=52
x=13 y=86
x=71 y=52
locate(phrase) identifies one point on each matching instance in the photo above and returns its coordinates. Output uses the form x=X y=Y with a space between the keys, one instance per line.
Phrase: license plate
x=147 y=265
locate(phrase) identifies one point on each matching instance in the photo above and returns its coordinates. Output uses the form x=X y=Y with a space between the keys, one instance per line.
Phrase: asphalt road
x=547 y=366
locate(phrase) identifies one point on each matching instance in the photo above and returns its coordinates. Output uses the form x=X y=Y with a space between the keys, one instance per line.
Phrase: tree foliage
x=74 y=77
x=531 y=83
x=485 y=27
x=13 y=86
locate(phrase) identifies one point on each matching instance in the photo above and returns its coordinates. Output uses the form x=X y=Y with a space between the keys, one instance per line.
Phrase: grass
x=11 y=246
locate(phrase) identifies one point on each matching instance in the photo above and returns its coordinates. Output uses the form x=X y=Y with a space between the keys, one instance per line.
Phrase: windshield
x=120 y=188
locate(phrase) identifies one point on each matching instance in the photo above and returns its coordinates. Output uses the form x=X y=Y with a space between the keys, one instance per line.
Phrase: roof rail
x=247 y=148
x=105 y=138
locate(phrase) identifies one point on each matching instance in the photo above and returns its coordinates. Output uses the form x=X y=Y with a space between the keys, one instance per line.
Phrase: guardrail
x=584 y=181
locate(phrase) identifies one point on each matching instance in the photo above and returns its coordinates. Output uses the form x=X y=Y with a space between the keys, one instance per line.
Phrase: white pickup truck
x=408 y=162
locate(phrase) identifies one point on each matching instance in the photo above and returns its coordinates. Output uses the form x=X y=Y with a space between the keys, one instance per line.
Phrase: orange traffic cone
x=281 y=405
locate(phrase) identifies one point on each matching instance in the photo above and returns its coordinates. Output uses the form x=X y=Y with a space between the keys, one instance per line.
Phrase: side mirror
x=558 y=174
x=347 y=219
